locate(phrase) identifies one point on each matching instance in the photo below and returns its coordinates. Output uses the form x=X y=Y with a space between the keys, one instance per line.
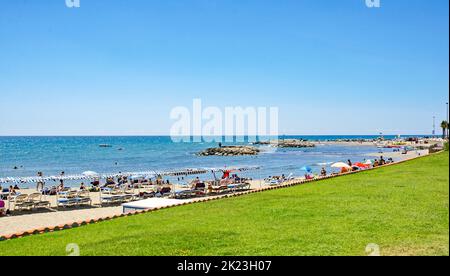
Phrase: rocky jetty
x=291 y=143
x=230 y=151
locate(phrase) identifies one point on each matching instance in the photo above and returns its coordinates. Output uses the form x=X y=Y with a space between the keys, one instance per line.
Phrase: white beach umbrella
x=340 y=165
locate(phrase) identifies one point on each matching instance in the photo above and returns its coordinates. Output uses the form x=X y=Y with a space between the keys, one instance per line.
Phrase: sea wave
x=323 y=164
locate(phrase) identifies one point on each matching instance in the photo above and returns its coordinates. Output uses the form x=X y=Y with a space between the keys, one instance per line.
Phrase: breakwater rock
x=230 y=151
x=291 y=143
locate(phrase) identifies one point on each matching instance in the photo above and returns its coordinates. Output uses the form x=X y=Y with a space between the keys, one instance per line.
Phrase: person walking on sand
x=40 y=183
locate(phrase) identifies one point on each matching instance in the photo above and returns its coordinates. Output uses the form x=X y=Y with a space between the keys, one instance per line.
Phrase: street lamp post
x=434 y=126
x=447 y=120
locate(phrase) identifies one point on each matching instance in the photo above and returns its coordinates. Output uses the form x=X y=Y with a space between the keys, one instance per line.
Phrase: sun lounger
x=124 y=193
x=236 y=187
x=113 y=196
x=21 y=202
x=198 y=190
x=83 y=198
x=36 y=199
x=242 y=186
x=67 y=199
x=146 y=194
x=182 y=194
x=219 y=189
x=130 y=192
x=165 y=191
x=73 y=198
x=273 y=182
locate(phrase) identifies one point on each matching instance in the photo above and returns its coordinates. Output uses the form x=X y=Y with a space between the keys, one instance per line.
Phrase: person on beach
x=323 y=172
x=376 y=163
x=61 y=181
x=82 y=187
x=61 y=187
x=2 y=208
x=40 y=184
x=382 y=161
x=95 y=183
x=195 y=181
x=12 y=191
x=349 y=162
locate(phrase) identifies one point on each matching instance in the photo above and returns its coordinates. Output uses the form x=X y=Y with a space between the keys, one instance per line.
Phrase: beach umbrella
x=306 y=169
x=340 y=165
x=361 y=165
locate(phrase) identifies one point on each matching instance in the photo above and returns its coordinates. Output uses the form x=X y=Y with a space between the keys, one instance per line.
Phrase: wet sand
x=398 y=156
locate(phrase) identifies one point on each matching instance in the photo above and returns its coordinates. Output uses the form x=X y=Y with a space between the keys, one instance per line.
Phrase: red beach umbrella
x=361 y=165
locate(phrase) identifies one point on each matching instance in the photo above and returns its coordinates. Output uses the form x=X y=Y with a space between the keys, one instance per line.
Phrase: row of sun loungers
x=278 y=180
x=200 y=189
x=28 y=202
x=116 y=195
x=73 y=198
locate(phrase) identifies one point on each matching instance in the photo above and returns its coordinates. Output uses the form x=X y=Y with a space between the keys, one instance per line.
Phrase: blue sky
x=119 y=67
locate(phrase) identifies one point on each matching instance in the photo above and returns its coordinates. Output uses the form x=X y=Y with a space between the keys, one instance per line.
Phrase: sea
x=25 y=156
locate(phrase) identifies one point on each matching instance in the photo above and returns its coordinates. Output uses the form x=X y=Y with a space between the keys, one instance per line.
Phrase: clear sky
x=119 y=67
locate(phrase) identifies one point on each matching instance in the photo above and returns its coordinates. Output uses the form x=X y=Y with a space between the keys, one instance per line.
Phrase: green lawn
x=403 y=209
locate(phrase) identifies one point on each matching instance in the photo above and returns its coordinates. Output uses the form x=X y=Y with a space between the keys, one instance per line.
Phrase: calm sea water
x=74 y=155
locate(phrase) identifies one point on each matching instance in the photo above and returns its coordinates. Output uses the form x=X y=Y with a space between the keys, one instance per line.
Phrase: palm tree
x=444 y=126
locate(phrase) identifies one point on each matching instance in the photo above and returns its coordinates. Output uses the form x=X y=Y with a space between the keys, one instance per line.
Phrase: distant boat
x=105 y=146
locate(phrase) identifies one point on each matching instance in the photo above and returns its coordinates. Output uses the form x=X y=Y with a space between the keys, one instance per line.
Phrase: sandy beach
x=49 y=217
x=398 y=156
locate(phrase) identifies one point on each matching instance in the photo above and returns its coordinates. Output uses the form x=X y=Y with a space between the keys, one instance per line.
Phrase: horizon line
x=165 y=135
